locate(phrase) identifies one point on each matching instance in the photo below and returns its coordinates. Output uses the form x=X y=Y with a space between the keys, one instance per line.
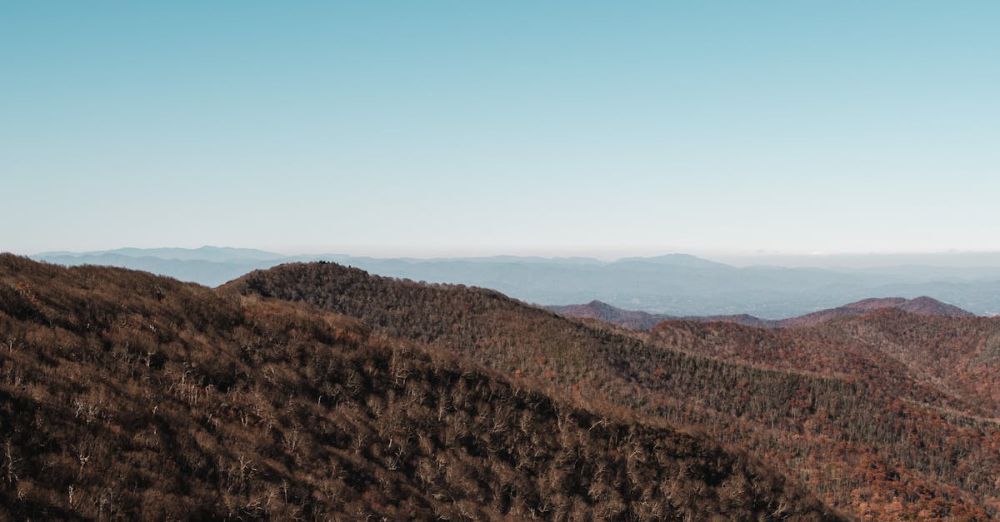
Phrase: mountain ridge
x=789 y=415
x=638 y=320
x=676 y=285
x=127 y=395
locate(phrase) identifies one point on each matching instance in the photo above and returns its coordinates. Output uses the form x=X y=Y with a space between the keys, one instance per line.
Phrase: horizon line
x=613 y=254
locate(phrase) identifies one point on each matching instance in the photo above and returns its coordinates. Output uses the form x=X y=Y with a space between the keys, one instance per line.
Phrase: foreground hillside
x=128 y=396
x=869 y=449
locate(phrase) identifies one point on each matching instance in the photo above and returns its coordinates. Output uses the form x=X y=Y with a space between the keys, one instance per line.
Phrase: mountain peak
x=678 y=260
x=925 y=306
x=602 y=311
x=875 y=303
x=922 y=305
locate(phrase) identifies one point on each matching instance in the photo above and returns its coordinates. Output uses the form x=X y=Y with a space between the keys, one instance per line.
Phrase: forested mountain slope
x=958 y=354
x=642 y=321
x=133 y=397
x=861 y=447
x=922 y=306
x=631 y=319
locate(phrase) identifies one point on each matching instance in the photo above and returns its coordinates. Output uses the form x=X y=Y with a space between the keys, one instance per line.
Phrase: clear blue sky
x=501 y=127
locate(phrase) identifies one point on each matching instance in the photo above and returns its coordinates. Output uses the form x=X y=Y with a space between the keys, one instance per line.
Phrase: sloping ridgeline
x=855 y=445
x=129 y=396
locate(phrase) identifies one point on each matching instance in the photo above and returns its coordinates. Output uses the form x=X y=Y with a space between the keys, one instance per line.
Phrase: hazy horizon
x=733 y=257
x=771 y=287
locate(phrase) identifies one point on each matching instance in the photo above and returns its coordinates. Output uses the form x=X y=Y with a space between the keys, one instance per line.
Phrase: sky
x=466 y=127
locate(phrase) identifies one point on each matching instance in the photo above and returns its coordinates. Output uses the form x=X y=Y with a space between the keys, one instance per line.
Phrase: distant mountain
x=676 y=260
x=632 y=319
x=207 y=272
x=205 y=253
x=675 y=285
x=987 y=262
x=920 y=306
x=638 y=320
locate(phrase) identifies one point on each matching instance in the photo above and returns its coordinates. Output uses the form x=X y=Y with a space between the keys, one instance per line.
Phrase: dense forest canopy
x=869 y=431
x=128 y=396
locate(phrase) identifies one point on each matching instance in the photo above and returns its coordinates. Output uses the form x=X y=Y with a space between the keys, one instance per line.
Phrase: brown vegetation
x=631 y=319
x=858 y=429
x=129 y=396
x=922 y=306
x=643 y=321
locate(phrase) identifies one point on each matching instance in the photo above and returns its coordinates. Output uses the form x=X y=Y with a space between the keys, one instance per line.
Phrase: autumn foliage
x=870 y=431
x=127 y=396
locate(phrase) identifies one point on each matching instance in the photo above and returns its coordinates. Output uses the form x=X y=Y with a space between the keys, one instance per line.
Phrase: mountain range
x=130 y=396
x=639 y=320
x=677 y=285
x=883 y=415
x=318 y=390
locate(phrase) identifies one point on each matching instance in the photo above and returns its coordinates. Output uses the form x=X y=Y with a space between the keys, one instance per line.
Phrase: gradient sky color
x=439 y=128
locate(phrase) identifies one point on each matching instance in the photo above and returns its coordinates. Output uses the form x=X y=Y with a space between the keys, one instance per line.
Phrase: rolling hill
x=129 y=396
x=638 y=320
x=600 y=311
x=878 y=441
x=923 y=305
